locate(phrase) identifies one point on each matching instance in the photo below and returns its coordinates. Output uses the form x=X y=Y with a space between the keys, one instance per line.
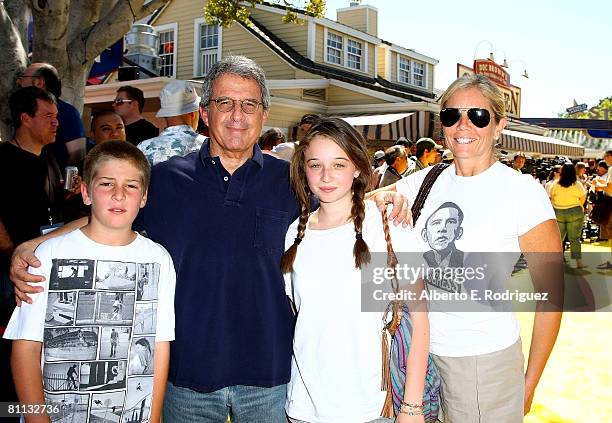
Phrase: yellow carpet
x=576 y=385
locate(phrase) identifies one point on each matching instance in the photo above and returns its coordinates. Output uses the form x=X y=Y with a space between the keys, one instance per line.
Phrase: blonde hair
x=488 y=89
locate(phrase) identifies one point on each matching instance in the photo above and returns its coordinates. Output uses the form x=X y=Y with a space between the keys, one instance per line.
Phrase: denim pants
x=244 y=404
x=379 y=420
x=570 y=222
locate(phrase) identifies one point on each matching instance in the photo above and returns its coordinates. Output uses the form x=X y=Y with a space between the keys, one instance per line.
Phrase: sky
x=564 y=45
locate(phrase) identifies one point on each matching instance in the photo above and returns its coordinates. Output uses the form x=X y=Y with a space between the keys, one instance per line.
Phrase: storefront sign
x=512 y=94
x=492 y=70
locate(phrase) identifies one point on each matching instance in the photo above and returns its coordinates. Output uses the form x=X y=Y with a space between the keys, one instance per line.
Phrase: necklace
x=17 y=143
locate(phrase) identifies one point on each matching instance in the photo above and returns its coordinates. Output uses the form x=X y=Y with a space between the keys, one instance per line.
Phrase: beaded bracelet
x=411 y=409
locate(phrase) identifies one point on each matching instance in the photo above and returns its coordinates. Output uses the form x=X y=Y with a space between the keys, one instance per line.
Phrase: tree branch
x=83 y=14
x=149 y=8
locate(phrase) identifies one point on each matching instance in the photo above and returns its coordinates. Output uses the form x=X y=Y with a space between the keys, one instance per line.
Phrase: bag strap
x=426 y=186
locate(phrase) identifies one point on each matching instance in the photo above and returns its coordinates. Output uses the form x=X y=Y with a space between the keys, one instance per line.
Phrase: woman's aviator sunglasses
x=451 y=115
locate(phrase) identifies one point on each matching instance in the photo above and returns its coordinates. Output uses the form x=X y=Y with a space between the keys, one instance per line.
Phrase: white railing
x=207 y=59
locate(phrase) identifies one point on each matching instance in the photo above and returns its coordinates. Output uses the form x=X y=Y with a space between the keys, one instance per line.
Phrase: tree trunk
x=67 y=34
x=13 y=59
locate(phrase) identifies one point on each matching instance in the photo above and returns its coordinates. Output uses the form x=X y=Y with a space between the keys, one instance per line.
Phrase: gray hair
x=393 y=152
x=237 y=65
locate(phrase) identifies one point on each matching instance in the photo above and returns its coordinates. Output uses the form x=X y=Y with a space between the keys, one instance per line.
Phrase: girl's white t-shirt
x=336 y=365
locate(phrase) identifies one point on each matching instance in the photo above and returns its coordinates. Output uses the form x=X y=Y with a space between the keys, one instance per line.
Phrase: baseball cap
x=403 y=141
x=448 y=155
x=430 y=142
x=379 y=155
x=284 y=150
x=178 y=98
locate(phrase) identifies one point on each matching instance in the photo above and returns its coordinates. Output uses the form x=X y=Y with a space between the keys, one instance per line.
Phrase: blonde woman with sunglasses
x=479 y=354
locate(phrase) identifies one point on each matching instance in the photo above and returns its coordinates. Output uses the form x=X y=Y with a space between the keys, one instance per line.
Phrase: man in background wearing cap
x=425 y=155
x=180 y=106
x=377 y=169
x=447 y=157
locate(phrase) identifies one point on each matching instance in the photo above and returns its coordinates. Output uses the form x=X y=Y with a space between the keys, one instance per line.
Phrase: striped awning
x=389 y=127
x=530 y=143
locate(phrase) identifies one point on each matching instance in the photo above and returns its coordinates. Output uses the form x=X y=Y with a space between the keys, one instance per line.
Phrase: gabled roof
x=291 y=56
x=331 y=23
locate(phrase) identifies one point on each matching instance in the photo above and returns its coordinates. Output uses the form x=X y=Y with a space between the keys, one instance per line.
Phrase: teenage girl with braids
x=336 y=369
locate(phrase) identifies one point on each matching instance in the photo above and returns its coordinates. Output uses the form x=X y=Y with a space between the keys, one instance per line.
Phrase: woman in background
x=567 y=196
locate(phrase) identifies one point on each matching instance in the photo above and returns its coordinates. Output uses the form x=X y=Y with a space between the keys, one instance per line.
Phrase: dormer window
x=354 y=54
x=418 y=74
x=411 y=72
x=334 y=48
x=345 y=51
x=404 y=70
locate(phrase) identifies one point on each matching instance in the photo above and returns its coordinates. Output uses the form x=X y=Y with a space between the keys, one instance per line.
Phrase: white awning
x=411 y=125
x=530 y=143
x=375 y=119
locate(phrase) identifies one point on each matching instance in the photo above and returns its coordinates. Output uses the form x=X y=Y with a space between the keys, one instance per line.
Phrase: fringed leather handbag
x=399 y=328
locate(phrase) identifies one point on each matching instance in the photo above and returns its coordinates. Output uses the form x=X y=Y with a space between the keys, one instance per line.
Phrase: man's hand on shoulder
x=23 y=257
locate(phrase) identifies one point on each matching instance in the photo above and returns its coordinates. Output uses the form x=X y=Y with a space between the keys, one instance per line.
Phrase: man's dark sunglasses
x=451 y=115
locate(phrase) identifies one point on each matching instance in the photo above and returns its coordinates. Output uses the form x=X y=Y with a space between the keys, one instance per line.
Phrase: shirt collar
x=180 y=128
x=205 y=153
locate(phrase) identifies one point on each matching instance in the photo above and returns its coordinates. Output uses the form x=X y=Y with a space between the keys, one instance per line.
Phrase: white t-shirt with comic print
x=102 y=310
x=498 y=206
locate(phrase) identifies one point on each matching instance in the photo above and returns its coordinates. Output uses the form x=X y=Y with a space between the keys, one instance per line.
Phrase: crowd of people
x=267 y=240
x=575 y=188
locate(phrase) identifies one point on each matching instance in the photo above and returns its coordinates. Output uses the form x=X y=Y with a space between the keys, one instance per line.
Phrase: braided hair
x=354 y=145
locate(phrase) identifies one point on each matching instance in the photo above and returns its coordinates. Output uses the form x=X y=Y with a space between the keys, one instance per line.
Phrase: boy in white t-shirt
x=87 y=347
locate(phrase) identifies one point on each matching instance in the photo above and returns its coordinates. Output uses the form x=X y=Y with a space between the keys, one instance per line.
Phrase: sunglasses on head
x=451 y=115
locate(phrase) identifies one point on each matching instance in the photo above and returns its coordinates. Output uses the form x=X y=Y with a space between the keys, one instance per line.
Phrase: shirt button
x=225 y=178
x=213 y=162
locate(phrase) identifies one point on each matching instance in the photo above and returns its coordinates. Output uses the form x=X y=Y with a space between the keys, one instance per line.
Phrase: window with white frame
x=418 y=74
x=411 y=72
x=354 y=54
x=334 y=48
x=207 y=48
x=404 y=70
x=167 y=52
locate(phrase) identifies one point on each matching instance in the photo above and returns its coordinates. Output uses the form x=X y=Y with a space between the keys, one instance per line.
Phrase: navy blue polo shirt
x=226 y=235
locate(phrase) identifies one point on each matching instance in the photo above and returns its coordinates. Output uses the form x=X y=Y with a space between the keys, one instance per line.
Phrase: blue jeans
x=570 y=222
x=244 y=404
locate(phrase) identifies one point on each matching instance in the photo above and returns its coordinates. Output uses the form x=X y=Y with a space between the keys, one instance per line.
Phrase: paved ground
x=576 y=385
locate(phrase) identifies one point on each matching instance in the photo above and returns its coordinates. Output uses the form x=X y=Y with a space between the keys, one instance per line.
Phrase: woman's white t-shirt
x=497 y=205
